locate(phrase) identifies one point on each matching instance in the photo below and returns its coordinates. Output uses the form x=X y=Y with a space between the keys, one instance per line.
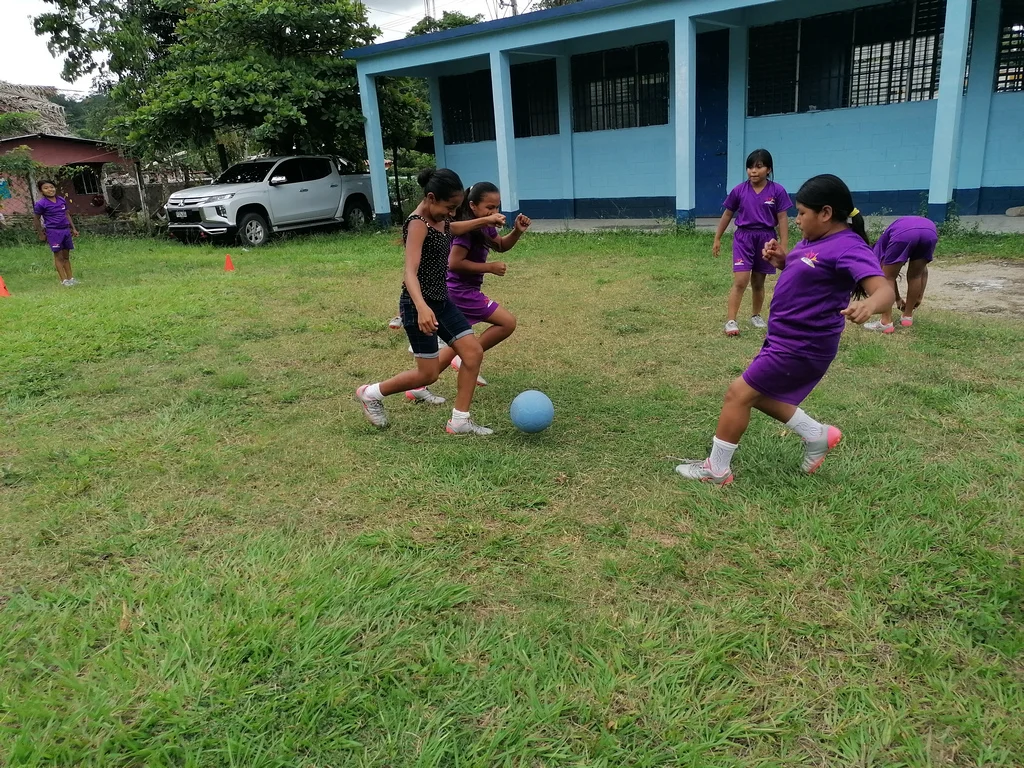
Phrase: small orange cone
x=228 y=266
x=3 y=288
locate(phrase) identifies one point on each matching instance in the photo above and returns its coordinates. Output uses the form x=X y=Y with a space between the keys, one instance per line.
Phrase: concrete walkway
x=1002 y=224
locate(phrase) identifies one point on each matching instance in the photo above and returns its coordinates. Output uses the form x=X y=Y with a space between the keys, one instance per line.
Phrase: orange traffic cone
x=228 y=266
x=3 y=288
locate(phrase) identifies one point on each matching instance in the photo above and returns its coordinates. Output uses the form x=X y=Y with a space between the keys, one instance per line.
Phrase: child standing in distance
x=808 y=314
x=760 y=205
x=54 y=226
x=425 y=308
x=910 y=240
x=467 y=266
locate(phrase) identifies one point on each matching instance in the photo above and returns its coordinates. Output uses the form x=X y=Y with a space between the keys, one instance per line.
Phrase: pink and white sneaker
x=879 y=327
x=424 y=395
x=457 y=363
x=906 y=322
x=815 y=451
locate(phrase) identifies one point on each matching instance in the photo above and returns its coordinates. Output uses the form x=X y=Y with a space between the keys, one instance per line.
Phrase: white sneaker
x=732 y=328
x=424 y=395
x=395 y=323
x=457 y=363
x=467 y=427
x=73 y=281
x=67 y=283
x=372 y=409
x=758 y=322
x=879 y=327
x=701 y=470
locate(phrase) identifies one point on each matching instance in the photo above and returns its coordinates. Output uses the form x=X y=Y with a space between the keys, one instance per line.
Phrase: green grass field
x=209 y=558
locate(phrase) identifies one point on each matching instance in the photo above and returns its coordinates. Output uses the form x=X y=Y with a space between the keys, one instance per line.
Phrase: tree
x=270 y=67
x=448 y=20
x=543 y=5
x=17 y=123
x=87 y=117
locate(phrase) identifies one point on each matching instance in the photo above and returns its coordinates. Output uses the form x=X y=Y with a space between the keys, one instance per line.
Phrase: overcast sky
x=25 y=59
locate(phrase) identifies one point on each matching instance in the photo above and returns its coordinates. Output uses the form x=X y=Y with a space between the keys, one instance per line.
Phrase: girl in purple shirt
x=809 y=310
x=910 y=240
x=467 y=265
x=760 y=205
x=55 y=228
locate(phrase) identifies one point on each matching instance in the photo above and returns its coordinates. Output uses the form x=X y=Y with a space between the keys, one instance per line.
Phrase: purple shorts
x=60 y=240
x=747 y=245
x=785 y=376
x=902 y=251
x=474 y=305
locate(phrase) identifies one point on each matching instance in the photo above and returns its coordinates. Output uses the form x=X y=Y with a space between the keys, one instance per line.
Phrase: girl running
x=910 y=240
x=760 y=205
x=424 y=306
x=808 y=314
x=467 y=266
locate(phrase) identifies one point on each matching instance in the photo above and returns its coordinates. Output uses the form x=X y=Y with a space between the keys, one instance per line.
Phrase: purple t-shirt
x=758 y=209
x=814 y=288
x=459 y=282
x=54 y=212
x=908 y=229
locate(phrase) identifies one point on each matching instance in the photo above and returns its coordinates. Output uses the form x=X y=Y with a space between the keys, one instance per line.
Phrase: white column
x=374 y=147
x=504 y=132
x=684 y=103
x=563 y=75
x=440 y=160
x=949 y=109
x=737 y=105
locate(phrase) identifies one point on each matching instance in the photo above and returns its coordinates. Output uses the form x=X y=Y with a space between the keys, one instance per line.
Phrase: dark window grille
x=86 y=182
x=467 y=109
x=621 y=88
x=1010 y=64
x=534 y=99
x=883 y=54
x=774 y=54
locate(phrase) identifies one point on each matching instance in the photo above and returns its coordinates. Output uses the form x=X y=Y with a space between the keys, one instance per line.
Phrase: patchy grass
x=208 y=557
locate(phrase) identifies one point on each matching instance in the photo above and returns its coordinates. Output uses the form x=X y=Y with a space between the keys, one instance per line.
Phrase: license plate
x=181 y=214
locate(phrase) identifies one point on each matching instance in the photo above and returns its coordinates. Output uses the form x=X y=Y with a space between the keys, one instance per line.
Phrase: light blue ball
x=532 y=411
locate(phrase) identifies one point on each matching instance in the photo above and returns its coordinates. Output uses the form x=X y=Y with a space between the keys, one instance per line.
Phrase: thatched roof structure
x=29 y=98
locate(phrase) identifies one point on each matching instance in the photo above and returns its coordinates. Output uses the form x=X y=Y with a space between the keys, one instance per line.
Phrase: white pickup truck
x=255 y=198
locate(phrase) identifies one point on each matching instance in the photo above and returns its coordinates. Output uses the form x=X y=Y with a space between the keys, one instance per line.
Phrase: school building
x=648 y=108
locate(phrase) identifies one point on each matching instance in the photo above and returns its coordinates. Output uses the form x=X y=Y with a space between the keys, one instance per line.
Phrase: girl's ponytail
x=858 y=225
x=465 y=213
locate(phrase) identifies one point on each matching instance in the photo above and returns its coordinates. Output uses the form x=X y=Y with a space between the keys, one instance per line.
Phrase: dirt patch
x=991 y=288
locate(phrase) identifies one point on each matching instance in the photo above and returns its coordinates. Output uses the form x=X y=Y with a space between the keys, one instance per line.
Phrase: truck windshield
x=246 y=173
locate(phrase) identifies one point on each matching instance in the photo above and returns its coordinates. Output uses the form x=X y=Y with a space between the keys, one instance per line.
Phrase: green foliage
x=15 y=123
x=448 y=20
x=543 y=5
x=87 y=117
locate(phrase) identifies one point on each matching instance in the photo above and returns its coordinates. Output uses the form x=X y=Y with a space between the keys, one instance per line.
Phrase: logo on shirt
x=770 y=202
x=810 y=259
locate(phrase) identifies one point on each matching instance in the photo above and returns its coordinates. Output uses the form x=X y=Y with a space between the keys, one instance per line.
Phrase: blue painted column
x=504 y=132
x=374 y=147
x=438 y=122
x=563 y=76
x=946 y=143
x=977 y=106
x=737 y=106
x=684 y=122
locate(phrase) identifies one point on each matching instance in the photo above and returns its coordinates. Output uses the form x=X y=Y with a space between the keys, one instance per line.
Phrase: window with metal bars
x=467 y=110
x=534 y=99
x=884 y=54
x=1010 y=64
x=621 y=88
x=86 y=182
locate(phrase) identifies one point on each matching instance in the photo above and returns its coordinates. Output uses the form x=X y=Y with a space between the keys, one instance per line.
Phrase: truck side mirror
x=276 y=181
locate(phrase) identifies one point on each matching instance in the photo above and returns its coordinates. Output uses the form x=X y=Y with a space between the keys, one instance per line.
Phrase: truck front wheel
x=357 y=214
x=253 y=230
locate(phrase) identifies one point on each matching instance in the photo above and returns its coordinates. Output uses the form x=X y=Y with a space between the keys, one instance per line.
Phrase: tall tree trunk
x=222 y=155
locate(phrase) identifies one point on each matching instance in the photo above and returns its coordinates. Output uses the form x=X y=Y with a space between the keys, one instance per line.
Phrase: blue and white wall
x=884 y=153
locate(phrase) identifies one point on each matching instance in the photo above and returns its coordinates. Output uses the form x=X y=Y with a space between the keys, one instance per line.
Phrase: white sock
x=373 y=392
x=458 y=415
x=805 y=426
x=721 y=455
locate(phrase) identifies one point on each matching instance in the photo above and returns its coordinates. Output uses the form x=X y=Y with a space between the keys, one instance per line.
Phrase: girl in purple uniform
x=760 y=205
x=911 y=241
x=467 y=265
x=808 y=314
x=55 y=228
